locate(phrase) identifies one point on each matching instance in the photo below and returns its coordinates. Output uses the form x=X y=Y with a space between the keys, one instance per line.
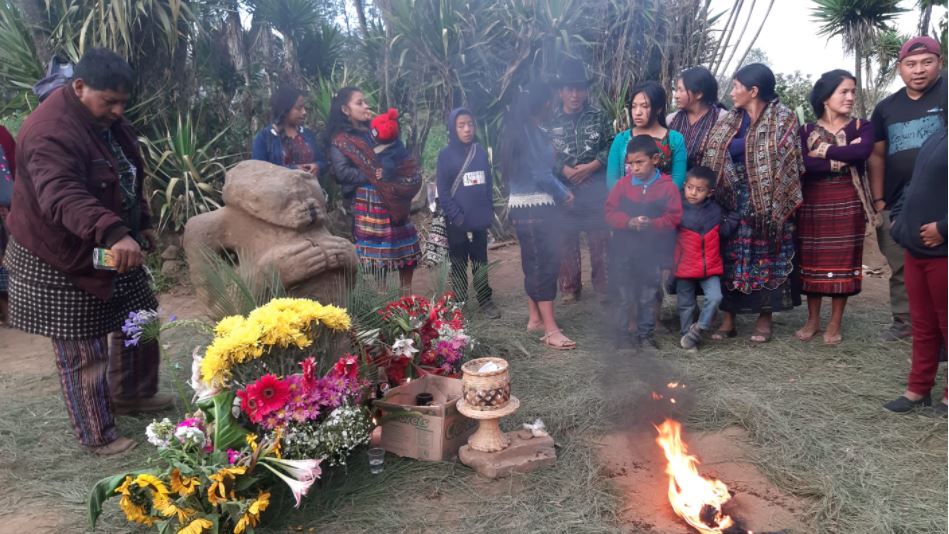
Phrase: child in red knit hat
x=390 y=151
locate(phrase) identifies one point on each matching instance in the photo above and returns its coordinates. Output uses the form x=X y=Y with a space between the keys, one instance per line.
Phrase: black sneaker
x=692 y=338
x=490 y=310
x=648 y=342
x=903 y=405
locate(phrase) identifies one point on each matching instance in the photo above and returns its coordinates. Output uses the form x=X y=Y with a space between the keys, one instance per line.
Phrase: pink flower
x=192 y=422
x=232 y=456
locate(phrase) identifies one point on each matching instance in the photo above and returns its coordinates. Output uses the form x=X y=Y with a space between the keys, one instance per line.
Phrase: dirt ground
x=629 y=456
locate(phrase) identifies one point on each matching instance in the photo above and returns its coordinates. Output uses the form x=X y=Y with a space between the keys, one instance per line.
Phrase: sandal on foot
x=720 y=335
x=119 y=446
x=833 y=341
x=760 y=336
x=566 y=344
x=806 y=337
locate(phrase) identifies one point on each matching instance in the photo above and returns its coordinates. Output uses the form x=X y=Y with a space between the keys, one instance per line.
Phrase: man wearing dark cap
x=78 y=187
x=581 y=138
x=902 y=122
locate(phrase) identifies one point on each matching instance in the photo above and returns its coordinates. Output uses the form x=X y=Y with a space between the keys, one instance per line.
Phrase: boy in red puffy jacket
x=643 y=209
x=698 y=258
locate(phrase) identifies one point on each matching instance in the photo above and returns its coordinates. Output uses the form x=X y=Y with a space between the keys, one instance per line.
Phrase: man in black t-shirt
x=902 y=122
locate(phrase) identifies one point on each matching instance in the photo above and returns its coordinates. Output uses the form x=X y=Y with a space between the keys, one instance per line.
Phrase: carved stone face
x=280 y=196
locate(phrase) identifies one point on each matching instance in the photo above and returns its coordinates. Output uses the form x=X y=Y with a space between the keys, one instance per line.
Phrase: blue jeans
x=637 y=296
x=686 y=302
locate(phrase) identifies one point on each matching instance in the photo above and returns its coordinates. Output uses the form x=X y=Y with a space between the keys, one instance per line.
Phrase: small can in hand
x=103 y=259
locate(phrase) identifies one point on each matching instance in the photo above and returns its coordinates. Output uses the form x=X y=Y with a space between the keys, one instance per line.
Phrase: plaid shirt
x=579 y=138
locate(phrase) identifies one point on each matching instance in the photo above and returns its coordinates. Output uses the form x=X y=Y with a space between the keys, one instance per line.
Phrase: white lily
x=299 y=475
x=404 y=347
x=202 y=391
x=298 y=469
x=298 y=487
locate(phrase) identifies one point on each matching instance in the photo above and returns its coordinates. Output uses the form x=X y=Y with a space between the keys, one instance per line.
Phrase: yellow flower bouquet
x=258 y=383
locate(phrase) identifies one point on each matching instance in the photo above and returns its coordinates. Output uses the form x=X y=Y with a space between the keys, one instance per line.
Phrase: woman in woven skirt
x=536 y=200
x=837 y=202
x=756 y=151
x=383 y=244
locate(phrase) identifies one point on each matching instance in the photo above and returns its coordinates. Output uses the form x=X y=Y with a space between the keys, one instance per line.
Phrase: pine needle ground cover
x=812 y=414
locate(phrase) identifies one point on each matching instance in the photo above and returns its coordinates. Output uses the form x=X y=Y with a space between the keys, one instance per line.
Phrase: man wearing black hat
x=901 y=123
x=581 y=138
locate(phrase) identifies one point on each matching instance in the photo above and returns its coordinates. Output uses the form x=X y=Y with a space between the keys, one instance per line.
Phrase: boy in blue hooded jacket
x=465 y=196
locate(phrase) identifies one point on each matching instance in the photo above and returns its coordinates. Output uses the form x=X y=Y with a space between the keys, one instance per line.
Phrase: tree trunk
x=234 y=38
x=924 y=17
x=360 y=6
x=35 y=17
x=858 y=74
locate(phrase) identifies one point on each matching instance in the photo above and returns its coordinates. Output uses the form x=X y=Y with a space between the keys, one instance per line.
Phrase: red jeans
x=926 y=287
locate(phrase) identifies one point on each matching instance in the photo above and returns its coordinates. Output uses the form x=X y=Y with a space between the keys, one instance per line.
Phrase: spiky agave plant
x=186 y=173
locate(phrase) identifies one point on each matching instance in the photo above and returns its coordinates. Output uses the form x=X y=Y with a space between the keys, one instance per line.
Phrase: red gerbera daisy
x=272 y=393
x=250 y=405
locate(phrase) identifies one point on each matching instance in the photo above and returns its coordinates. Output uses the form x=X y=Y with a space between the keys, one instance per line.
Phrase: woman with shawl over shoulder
x=696 y=97
x=755 y=150
x=647 y=108
x=832 y=221
x=536 y=203
x=286 y=141
x=385 y=238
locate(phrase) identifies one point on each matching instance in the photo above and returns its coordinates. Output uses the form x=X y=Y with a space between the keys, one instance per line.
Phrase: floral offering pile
x=423 y=336
x=267 y=415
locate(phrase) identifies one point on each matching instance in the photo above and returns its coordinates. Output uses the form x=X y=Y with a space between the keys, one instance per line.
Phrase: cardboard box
x=431 y=433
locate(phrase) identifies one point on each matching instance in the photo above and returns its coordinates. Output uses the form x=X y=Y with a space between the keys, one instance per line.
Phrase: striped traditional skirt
x=381 y=245
x=44 y=301
x=831 y=229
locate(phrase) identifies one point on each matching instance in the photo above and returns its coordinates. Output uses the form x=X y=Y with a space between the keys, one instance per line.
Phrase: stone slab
x=523 y=455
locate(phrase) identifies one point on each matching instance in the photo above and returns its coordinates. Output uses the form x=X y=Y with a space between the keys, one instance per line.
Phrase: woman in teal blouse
x=647 y=107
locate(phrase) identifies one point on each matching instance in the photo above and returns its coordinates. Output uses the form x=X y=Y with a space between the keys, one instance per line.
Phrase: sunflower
x=134 y=504
x=252 y=515
x=167 y=507
x=138 y=495
x=151 y=482
x=222 y=484
x=183 y=486
x=197 y=526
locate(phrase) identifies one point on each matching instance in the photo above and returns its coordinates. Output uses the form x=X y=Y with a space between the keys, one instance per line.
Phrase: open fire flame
x=696 y=499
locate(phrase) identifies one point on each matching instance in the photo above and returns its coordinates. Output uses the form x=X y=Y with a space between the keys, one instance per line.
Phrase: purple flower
x=232 y=456
x=136 y=323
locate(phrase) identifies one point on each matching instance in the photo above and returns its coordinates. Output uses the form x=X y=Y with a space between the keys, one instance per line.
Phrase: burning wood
x=696 y=499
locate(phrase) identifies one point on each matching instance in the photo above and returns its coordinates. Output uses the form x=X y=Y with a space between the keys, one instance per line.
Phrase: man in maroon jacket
x=79 y=186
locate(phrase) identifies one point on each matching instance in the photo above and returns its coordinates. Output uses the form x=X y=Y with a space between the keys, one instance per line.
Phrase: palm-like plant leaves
x=858 y=23
x=19 y=66
x=186 y=174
